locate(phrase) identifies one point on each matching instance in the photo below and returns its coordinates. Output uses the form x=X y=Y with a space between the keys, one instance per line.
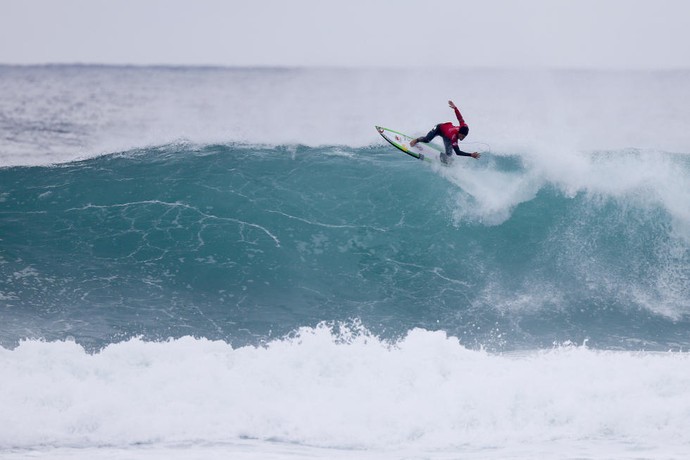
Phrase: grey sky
x=453 y=33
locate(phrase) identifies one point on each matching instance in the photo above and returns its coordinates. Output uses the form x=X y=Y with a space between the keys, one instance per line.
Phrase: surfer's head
x=462 y=133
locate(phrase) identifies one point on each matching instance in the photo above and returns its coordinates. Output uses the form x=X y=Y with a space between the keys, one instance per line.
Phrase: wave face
x=242 y=243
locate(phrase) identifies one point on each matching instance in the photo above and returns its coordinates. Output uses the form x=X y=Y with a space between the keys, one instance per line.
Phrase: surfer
x=451 y=134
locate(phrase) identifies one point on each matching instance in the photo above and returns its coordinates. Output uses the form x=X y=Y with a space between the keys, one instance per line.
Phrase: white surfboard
x=421 y=151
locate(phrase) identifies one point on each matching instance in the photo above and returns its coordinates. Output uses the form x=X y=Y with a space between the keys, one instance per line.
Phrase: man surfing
x=451 y=134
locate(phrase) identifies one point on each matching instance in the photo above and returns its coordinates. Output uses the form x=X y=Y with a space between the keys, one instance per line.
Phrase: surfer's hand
x=476 y=155
x=451 y=105
x=413 y=142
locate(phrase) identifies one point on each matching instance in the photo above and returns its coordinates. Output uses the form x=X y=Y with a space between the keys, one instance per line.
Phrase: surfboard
x=425 y=152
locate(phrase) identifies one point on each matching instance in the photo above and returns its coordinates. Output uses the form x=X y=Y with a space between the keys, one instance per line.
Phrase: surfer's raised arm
x=457 y=113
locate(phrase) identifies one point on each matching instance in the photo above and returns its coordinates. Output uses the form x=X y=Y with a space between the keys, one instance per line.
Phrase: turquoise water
x=244 y=244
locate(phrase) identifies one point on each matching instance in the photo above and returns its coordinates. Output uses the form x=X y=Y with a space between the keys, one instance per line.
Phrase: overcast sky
x=619 y=34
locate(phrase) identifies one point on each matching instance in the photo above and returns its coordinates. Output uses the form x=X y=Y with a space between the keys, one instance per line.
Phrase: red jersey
x=450 y=131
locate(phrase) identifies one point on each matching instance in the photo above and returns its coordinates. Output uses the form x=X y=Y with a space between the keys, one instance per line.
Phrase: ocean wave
x=238 y=242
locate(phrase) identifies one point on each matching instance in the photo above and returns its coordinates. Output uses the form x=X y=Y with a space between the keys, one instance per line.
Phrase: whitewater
x=231 y=262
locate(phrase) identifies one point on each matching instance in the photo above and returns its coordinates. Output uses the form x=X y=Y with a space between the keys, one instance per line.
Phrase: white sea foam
x=644 y=179
x=341 y=389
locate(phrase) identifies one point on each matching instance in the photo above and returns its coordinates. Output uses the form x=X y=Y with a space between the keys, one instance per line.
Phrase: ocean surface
x=232 y=263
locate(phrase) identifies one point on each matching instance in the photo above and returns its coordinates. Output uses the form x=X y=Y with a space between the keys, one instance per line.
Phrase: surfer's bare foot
x=413 y=142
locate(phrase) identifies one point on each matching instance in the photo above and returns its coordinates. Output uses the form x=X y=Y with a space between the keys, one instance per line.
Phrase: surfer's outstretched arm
x=459 y=152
